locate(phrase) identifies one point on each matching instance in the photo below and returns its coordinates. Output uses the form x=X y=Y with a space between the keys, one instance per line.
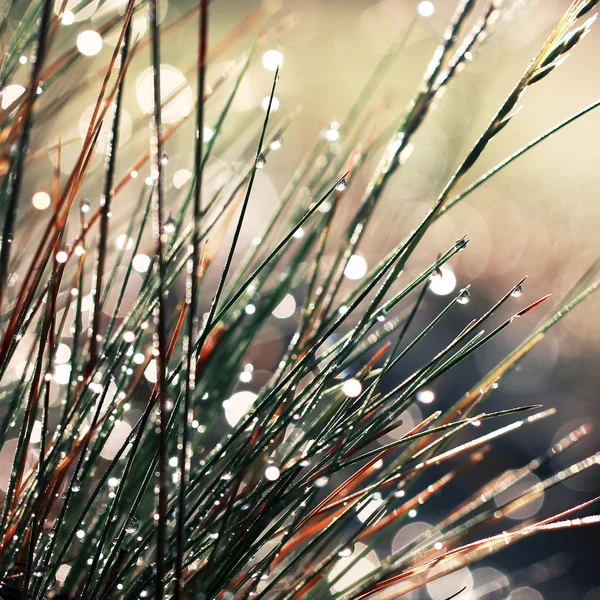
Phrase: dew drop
x=84 y=206
x=517 y=292
x=261 y=161
x=346 y=551
x=341 y=185
x=463 y=297
x=76 y=486
x=460 y=245
x=170 y=225
x=132 y=525
x=321 y=482
x=276 y=143
x=436 y=274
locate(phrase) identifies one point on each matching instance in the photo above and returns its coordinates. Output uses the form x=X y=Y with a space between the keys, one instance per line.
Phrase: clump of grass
x=101 y=506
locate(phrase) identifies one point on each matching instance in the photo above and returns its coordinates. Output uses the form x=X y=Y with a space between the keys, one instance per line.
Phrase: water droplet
x=460 y=245
x=321 y=482
x=517 y=292
x=382 y=316
x=226 y=476
x=84 y=205
x=213 y=536
x=132 y=525
x=463 y=297
x=346 y=551
x=164 y=159
x=170 y=225
x=276 y=142
x=261 y=161
x=341 y=185
x=76 y=486
x=436 y=274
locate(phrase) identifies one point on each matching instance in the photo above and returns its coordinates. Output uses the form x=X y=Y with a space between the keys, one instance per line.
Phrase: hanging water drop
x=346 y=551
x=517 y=292
x=342 y=184
x=464 y=296
x=84 y=205
x=76 y=486
x=460 y=245
x=261 y=161
x=132 y=525
x=382 y=315
x=170 y=225
x=436 y=274
x=276 y=142
x=164 y=159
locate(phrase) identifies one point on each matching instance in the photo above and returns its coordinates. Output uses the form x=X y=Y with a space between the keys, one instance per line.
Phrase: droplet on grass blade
x=436 y=274
x=276 y=143
x=346 y=551
x=461 y=244
x=517 y=292
x=170 y=225
x=207 y=133
x=261 y=161
x=132 y=525
x=341 y=185
x=464 y=296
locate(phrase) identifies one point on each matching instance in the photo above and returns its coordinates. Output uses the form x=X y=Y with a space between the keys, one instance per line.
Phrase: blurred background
x=539 y=217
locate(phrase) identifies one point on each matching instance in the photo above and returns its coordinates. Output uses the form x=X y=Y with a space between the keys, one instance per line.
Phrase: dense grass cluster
x=287 y=498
